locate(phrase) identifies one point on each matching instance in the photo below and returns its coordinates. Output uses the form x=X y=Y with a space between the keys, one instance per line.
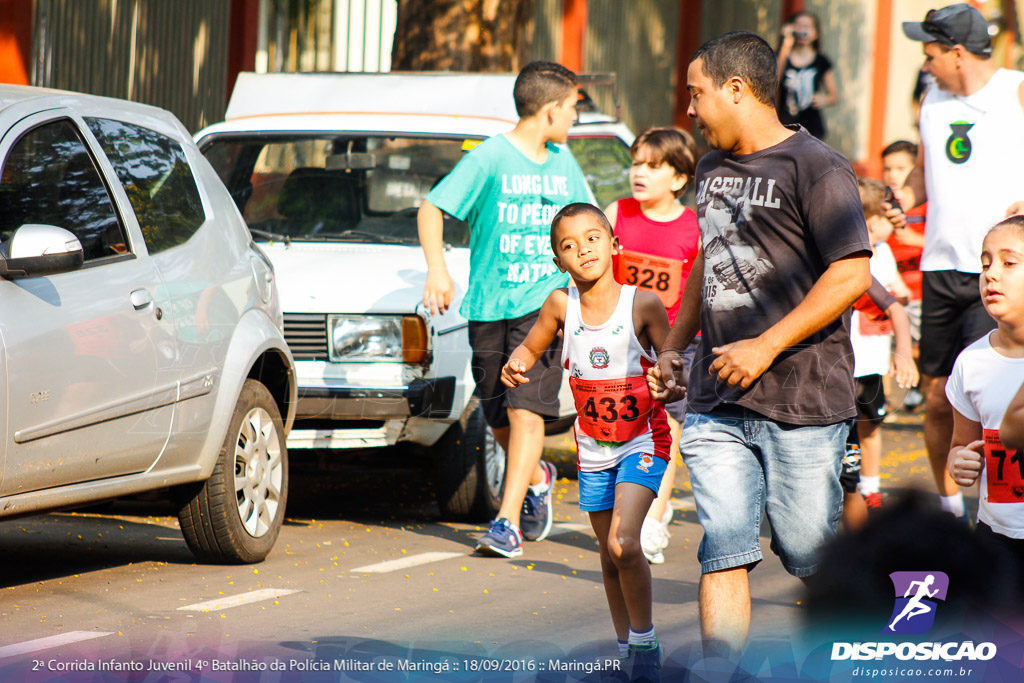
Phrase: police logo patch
x=958 y=145
x=599 y=357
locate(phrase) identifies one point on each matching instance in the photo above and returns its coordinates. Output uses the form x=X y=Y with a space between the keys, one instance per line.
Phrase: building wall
x=636 y=40
x=722 y=16
x=169 y=54
x=848 y=39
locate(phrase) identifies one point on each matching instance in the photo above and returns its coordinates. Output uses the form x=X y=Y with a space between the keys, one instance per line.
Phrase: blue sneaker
x=502 y=540
x=646 y=663
x=538 y=513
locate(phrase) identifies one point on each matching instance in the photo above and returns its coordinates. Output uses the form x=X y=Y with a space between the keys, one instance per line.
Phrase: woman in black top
x=806 y=80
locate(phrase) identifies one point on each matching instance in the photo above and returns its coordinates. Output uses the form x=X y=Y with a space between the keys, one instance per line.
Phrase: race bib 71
x=1005 y=470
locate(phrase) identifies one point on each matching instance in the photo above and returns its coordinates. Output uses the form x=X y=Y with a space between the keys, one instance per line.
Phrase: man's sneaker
x=873 y=500
x=502 y=540
x=537 y=515
x=653 y=540
x=646 y=663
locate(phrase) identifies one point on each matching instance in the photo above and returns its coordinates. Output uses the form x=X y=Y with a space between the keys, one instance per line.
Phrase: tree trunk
x=462 y=35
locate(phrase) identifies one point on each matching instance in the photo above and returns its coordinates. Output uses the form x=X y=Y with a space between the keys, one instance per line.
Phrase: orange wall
x=15 y=40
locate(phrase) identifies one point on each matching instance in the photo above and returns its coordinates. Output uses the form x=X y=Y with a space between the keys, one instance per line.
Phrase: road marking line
x=50 y=642
x=405 y=563
x=237 y=600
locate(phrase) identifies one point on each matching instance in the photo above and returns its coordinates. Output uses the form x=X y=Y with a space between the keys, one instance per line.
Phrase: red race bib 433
x=612 y=409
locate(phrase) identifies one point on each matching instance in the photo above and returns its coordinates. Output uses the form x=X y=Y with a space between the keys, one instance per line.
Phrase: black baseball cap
x=958 y=24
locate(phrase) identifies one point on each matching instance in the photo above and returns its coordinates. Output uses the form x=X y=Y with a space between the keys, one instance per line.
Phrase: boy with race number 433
x=611 y=333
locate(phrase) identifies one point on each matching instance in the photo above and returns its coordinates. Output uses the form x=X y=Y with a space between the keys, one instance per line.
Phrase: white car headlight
x=364 y=338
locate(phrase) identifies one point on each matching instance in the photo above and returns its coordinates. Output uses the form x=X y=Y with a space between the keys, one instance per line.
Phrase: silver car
x=140 y=332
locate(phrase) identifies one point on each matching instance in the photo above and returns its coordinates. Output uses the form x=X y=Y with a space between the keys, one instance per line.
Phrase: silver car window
x=156 y=177
x=49 y=177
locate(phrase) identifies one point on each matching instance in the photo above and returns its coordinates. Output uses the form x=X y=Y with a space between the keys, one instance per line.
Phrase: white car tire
x=469 y=469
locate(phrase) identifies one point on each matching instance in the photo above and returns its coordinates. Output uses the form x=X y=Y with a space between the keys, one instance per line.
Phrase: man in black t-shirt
x=785 y=255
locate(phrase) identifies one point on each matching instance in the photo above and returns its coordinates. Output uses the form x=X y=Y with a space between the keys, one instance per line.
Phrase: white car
x=329 y=171
x=141 y=338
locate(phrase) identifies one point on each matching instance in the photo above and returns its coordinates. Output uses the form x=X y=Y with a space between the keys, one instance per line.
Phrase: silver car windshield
x=358 y=188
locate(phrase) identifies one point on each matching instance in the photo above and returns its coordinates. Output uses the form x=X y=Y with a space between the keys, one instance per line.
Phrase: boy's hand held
x=740 y=362
x=665 y=379
x=965 y=463
x=438 y=292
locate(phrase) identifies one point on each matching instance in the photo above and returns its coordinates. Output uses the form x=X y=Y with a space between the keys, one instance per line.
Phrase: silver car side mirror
x=36 y=250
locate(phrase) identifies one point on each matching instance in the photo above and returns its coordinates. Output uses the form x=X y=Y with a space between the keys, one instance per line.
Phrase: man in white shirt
x=972 y=134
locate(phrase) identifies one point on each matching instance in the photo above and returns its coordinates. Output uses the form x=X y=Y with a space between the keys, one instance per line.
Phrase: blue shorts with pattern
x=597 y=489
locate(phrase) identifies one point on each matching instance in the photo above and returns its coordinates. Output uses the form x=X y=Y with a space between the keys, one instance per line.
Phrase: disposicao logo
x=917 y=594
x=917 y=598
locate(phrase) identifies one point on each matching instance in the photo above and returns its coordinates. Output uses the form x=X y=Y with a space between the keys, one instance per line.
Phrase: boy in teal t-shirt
x=508 y=189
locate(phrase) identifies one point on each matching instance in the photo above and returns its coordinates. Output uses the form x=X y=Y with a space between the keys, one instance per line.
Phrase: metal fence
x=169 y=54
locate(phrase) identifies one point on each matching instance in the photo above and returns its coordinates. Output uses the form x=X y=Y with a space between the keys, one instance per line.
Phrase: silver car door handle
x=141 y=298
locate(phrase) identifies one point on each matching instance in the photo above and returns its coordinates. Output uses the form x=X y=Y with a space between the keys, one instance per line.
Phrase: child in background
x=876 y=304
x=872 y=344
x=907 y=242
x=611 y=333
x=658 y=241
x=985 y=378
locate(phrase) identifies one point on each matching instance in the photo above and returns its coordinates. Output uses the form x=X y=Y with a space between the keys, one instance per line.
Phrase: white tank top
x=973 y=147
x=607 y=373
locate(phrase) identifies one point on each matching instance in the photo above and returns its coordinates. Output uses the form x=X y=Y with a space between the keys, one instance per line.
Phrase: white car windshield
x=363 y=188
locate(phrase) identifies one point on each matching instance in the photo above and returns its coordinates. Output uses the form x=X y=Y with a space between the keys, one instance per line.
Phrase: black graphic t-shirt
x=771 y=223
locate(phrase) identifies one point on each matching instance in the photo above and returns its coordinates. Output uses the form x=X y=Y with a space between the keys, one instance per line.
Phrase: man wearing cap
x=972 y=143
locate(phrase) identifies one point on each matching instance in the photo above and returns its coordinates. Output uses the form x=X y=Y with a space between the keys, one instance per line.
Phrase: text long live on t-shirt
x=771 y=223
x=509 y=200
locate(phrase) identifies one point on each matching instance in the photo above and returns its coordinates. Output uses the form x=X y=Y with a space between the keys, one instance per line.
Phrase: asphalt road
x=364 y=571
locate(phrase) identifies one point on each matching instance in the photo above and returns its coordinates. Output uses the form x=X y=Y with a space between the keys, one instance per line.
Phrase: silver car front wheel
x=236 y=514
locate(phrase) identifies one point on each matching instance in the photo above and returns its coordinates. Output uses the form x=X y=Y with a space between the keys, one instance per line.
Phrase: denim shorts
x=742 y=465
x=597 y=489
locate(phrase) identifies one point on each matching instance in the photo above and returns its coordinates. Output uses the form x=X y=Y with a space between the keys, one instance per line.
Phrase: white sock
x=648 y=638
x=623 y=648
x=953 y=504
x=869 y=485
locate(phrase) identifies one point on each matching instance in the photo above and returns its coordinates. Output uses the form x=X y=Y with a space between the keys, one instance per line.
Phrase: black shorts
x=871 y=399
x=849 y=475
x=493 y=342
x=952 y=318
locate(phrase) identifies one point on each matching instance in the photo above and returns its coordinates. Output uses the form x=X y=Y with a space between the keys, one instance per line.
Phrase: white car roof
x=486 y=96
x=475 y=105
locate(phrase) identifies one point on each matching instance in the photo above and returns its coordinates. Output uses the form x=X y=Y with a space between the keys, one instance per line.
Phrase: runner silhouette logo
x=917 y=594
